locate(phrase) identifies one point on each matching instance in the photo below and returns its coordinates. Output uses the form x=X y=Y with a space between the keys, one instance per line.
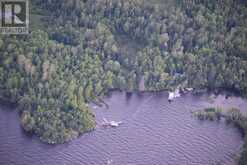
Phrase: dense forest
x=80 y=49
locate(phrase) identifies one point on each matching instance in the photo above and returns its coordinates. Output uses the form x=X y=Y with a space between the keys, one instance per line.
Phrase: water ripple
x=154 y=132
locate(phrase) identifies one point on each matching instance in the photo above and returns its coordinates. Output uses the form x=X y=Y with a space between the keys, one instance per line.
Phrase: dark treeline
x=53 y=72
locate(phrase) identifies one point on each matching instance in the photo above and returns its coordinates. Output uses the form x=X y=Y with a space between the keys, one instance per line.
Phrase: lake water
x=154 y=132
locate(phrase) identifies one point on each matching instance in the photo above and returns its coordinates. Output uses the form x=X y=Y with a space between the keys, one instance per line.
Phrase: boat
x=111 y=123
x=115 y=124
x=173 y=95
x=189 y=89
x=177 y=93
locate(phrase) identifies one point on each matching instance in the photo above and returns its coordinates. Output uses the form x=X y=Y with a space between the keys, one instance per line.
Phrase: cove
x=154 y=132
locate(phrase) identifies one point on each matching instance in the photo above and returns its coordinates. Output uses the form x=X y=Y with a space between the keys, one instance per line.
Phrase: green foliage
x=212 y=114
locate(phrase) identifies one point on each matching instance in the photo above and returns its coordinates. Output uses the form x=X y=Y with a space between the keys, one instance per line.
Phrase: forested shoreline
x=75 y=58
x=231 y=116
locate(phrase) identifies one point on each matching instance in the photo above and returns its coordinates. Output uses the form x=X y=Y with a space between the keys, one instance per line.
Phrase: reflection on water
x=154 y=132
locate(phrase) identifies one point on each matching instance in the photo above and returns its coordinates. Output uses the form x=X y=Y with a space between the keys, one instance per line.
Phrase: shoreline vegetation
x=75 y=56
x=232 y=116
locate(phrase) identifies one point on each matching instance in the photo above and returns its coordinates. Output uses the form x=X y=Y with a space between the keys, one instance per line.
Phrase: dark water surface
x=154 y=132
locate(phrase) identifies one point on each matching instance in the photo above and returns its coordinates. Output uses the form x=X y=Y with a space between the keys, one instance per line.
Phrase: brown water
x=154 y=132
